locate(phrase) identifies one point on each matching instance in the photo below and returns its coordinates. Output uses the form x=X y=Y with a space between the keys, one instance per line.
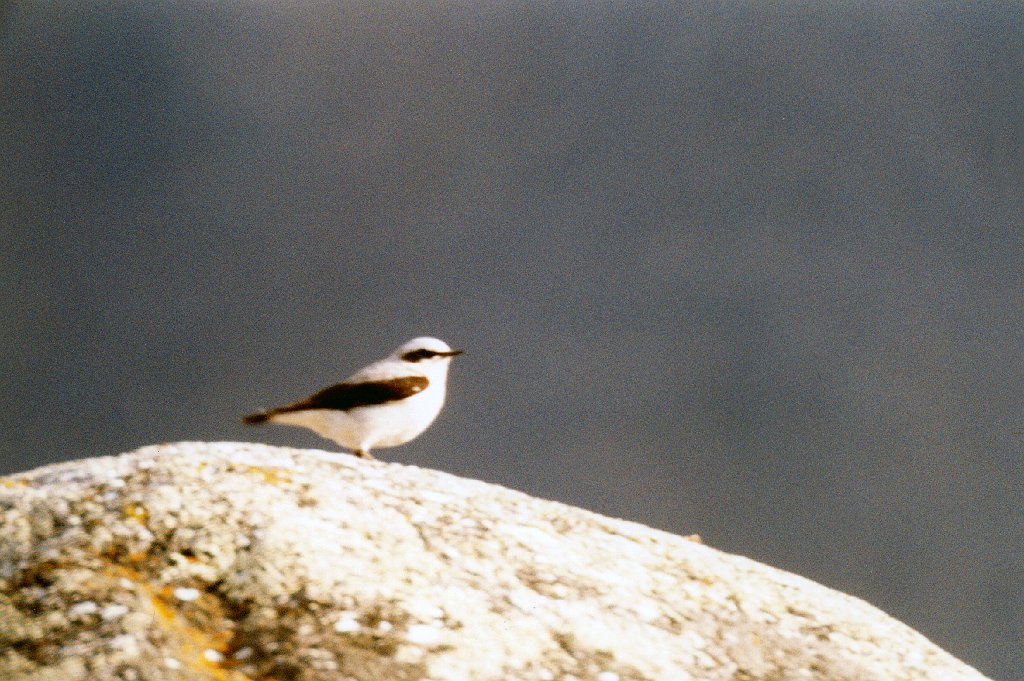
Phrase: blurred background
x=750 y=270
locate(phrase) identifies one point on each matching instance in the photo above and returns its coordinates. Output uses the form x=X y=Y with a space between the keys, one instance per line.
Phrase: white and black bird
x=384 y=404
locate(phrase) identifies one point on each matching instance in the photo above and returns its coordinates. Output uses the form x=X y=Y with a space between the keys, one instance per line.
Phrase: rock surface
x=237 y=562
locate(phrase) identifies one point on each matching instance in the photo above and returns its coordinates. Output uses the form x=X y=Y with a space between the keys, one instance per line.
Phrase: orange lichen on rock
x=201 y=649
x=274 y=476
x=137 y=512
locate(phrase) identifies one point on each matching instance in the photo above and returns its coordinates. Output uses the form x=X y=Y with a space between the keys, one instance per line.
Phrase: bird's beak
x=452 y=353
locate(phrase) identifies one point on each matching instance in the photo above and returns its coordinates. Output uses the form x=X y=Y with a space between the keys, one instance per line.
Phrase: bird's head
x=424 y=352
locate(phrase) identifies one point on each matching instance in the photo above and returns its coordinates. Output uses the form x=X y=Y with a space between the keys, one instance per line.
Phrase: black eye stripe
x=417 y=355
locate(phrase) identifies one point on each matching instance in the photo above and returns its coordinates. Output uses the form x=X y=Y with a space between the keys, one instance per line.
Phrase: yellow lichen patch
x=199 y=649
x=136 y=512
x=121 y=572
x=274 y=476
x=12 y=483
x=198 y=642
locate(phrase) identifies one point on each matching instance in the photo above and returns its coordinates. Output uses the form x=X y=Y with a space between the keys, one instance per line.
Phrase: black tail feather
x=256 y=419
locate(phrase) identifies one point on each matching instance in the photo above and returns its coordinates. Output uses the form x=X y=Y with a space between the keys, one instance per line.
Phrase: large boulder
x=239 y=562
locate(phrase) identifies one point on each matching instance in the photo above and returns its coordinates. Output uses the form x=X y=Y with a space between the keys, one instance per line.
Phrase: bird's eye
x=418 y=355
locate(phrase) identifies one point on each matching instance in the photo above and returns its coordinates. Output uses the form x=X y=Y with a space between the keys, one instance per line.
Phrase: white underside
x=366 y=428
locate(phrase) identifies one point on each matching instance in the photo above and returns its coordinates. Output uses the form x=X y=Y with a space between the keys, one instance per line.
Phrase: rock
x=237 y=562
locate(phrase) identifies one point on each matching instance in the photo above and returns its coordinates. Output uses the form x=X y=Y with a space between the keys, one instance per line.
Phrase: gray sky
x=746 y=271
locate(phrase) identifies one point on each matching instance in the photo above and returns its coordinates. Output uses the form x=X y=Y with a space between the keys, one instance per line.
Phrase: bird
x=384 y=404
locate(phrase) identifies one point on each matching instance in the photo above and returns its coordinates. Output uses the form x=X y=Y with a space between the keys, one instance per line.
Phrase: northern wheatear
x=384 y=404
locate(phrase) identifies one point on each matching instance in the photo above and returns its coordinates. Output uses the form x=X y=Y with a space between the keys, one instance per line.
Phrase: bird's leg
x=363 y=454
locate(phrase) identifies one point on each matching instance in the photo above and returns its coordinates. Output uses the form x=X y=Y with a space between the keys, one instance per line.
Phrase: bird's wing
x=346 y=396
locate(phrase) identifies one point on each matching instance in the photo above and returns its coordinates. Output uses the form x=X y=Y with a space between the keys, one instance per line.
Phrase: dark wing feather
x=346 y=396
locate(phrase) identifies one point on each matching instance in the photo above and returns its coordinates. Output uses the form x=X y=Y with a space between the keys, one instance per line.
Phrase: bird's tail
x=256 y=419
